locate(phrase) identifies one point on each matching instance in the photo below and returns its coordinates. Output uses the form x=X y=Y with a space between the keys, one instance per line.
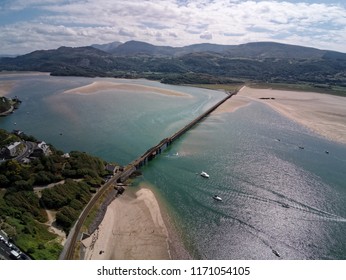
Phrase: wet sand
x=6 y=87
x=324 y=114
x=132 y=229
x=96 y=87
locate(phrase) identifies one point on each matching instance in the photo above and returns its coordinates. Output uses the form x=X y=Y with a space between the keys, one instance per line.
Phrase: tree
x=4 y=182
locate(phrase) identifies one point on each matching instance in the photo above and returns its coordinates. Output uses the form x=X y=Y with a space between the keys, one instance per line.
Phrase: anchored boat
x=217 y=198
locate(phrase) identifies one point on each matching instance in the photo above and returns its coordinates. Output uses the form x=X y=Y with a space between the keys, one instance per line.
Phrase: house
x=17 y=132
x=12 y=150
x=112 y=168
x=41 y=149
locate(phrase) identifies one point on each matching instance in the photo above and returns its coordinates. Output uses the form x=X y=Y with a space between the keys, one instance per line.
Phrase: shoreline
x=8 y=112
x=322 y=113
x=133 y=228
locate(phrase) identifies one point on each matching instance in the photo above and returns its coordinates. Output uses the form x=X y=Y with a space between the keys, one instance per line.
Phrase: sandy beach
x=132 y=229
x=325 y=114
x=96 y=87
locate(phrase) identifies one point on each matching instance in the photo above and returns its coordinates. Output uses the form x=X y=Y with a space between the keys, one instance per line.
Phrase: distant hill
x=83 y=61
x=106 y=47
x=208 y=63
x=8 y=55
x=249 y=50
x=137 y=48
x=274 y=50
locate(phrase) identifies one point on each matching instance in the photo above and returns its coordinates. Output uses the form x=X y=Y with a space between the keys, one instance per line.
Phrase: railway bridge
x=120 y=177
x=157 y=149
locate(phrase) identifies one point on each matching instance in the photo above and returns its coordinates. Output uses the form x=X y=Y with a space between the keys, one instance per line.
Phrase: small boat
x=204 y=174
x=276 y=253
x=217 y=198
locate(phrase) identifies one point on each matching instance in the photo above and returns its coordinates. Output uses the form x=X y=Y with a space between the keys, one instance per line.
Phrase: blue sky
x=28 y=25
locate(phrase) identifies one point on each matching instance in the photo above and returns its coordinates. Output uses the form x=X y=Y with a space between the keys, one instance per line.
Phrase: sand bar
x=325 y=114
x=6 y=87
x=23 y=73
x=98 y=86
x=132 y=229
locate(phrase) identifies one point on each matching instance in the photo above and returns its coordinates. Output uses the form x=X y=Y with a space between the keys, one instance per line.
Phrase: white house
x=12 y=150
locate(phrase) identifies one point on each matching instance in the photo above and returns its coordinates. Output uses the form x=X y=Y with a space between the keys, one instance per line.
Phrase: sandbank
x=23 y=73
x=325 y=114
x=132 y=229
x=98 y=86
x=6 y=87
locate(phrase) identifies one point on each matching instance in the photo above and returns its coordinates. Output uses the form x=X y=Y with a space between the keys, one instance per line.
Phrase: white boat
x=216 y=197
x=204 y=174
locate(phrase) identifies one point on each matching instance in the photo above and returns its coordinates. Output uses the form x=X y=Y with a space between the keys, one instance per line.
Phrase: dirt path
x=53 y=228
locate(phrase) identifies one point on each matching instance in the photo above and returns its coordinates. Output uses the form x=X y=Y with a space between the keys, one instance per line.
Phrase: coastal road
x=5 y=252
x=29 y=147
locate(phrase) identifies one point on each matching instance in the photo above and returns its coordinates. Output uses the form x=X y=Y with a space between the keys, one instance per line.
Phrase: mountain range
x=249 y=50
x=199 y=63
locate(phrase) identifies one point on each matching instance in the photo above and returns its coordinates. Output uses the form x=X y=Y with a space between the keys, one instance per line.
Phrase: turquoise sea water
x=278 y=199
x=117 y=126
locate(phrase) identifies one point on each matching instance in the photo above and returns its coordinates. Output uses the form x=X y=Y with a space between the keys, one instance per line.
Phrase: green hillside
x=264 y=62
x=23 y=208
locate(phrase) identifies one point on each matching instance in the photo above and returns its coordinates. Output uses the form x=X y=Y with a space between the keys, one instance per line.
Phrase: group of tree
x=68 y=199
x=45 y=170
x=23 y=212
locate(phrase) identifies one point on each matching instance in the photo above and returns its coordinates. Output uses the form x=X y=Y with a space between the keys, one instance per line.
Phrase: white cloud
x=177 y=23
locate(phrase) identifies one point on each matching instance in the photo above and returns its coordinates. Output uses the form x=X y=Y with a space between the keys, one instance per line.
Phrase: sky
x=28 y=25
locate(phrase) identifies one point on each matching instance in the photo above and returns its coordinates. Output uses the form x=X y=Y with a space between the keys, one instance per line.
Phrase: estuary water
x=117 y=125
x=279 y=200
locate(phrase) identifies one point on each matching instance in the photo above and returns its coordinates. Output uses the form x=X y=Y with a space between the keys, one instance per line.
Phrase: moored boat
x=217 y=198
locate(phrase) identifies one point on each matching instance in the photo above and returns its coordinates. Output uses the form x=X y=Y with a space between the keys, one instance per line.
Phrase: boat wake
x=306 y=212
x=174 y=155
